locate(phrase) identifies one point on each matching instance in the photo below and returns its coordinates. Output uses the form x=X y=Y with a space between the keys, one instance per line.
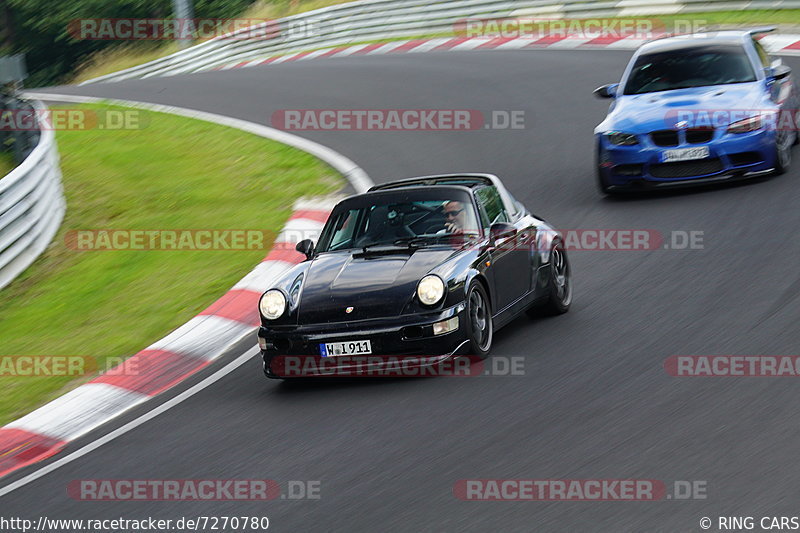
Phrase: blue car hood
x=642 y=113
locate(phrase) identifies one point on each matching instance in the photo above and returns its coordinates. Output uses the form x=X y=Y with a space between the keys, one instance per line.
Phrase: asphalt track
x=595 y=401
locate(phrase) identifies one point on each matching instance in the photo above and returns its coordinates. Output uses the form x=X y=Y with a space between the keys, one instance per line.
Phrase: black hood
x=373 y=285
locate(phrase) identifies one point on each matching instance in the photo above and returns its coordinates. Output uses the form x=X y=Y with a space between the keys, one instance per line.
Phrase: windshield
x=689 y=67
x=400 y=219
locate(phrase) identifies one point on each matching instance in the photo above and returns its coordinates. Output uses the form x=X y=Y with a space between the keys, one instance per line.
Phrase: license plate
x=684 y=154
x=337 y=349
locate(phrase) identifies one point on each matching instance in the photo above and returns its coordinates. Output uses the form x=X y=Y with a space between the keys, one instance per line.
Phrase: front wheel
x=479 y=321
x=559 y=296
x=602 y=185
x=783 y=151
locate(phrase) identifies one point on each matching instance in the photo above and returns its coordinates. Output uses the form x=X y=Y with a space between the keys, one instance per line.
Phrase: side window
x=491 y=202
x=762 y=54
x=345 y=227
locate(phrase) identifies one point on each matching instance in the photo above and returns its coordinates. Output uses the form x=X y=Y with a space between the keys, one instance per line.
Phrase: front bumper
x=731 y=157
x=294 y=351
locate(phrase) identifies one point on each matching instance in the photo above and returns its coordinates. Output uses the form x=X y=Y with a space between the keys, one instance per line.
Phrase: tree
x=39 y=28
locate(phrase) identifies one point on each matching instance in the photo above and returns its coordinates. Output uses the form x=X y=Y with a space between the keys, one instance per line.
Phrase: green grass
x=749 y=18
x=176 y=173
x=7 y=163
x=121 y=57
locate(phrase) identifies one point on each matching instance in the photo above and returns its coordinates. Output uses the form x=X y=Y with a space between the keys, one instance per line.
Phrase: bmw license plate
x=684 y=154
x=335 y=349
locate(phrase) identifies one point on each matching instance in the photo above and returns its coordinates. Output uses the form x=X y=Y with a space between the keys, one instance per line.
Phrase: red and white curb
x=166 y=362
x=777 y=44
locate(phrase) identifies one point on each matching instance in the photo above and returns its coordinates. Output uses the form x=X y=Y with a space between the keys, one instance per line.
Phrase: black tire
x=602 y=186
x=559 y=296
x=783 y=152
x=479 y=320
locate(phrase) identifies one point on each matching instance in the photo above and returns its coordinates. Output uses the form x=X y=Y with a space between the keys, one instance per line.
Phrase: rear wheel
x=479 y=320
x=559 y=296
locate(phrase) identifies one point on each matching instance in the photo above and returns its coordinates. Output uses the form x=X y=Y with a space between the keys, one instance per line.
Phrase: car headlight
x=622 y=139
x=430 y=289
x=272 y=304
x=746 y=125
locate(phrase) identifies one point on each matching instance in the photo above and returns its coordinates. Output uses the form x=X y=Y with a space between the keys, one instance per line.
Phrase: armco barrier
x=32 y=206
x=381 y=19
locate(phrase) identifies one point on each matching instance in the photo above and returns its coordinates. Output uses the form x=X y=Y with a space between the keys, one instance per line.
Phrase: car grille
x=664 y=137
x=686 y=169
x=699 y=135
x=672 y=137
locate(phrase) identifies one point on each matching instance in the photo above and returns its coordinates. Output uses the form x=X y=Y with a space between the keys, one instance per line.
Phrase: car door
x=510 y=257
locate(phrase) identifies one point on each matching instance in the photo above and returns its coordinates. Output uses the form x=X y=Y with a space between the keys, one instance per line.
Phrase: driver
x=455 y=218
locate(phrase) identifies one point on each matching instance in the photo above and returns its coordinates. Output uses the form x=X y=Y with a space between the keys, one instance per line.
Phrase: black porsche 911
x=425 y=268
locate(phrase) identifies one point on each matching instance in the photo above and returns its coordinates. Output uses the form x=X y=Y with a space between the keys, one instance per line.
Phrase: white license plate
x=337 y=349
x=684 y=154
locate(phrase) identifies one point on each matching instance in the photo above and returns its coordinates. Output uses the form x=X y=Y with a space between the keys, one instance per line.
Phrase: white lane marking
x=105 y=439
x=354 y=174
x=79 y=411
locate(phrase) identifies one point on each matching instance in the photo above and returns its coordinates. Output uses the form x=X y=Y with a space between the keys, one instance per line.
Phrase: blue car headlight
x=747 y=125
x=621 y=139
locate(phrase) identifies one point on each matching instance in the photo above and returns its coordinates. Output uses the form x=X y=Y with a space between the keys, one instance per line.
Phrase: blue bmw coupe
x=696 y=109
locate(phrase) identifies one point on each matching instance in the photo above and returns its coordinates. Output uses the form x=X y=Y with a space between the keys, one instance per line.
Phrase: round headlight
x=272 y=304
x=430 y=289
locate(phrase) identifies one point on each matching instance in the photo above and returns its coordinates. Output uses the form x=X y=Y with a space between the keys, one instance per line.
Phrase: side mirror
x=305 y=247
x=607 y=91
x=779 y=72
x=502 y=230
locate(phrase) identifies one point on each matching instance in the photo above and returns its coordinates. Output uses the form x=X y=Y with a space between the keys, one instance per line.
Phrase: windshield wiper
x=382 y=248
x=417 y=241
x=424 y=240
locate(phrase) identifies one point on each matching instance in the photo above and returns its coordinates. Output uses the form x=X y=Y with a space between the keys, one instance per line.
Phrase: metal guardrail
x=368 y=20
x=32 y=206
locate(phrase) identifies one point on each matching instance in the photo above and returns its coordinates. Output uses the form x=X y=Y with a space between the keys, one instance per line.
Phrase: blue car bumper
x=730 y=156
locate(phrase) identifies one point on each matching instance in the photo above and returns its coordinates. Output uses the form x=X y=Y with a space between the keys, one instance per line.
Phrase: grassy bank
x=175 y=173
x=125 y=56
